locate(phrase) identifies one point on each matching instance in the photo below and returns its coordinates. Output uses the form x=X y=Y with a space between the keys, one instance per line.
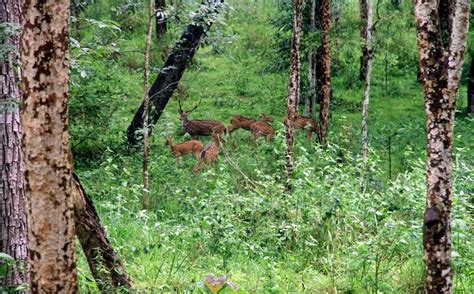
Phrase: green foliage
x=234 y=218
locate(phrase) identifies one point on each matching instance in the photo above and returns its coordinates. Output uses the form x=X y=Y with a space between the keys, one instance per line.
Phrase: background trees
x=45 y=79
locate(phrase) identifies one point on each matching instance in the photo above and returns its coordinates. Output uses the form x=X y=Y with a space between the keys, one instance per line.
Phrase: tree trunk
x=368 y=73
x=311 y=96
x=470 y=89
x=161 y=18
x=293 y=92
x=104 y=263
x=440 y=70
x=168 y=78
x=13 y=219
x=325 y=12
x=146 y=103
x=45 y=79
x=364 y=59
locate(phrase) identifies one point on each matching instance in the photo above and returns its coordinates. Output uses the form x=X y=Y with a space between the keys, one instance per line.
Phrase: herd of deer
x=207 y=155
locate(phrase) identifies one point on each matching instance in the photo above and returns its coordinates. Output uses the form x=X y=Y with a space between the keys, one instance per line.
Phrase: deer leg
x=308 y=136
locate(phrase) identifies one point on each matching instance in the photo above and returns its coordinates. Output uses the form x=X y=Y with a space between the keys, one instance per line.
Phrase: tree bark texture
x=293 y=91
x=470 y=89
x=364 y=59
x=45 y=76
x=311 y=95
x=104 y=263
x=167 y=80
x=368 y=74
x=441 y=66
x=13 y=218
x=325 y=12
x=161 y=18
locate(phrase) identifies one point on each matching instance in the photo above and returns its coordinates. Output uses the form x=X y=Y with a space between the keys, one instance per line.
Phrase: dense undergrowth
x=234 y=219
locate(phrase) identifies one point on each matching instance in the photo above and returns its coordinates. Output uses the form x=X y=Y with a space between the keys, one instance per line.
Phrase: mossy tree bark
x=45 y=77
x=13 y=219
x=440 y=65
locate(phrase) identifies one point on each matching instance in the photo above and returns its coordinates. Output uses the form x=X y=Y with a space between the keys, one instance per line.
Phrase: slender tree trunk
x=161 y=19
x=146 y=103
x=45 y=79
x=441 y=66
x=368 y=73
x=470 y=89
x=325 y=12
x=293 y=92
x=13 y=219
x=364 y=59
x=311 y=96
x=104 y=263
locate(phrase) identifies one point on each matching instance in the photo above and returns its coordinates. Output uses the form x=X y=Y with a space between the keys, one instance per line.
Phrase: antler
x=188 y=111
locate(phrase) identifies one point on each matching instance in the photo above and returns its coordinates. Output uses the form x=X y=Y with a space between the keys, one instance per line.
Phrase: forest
x=236 y=146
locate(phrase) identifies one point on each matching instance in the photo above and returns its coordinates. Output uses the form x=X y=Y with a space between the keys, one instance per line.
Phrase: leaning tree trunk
x=325 y=12
x=470 y=89
x=364 y=59
x=161 y=18
x=45 y=76
x=311 y=95
x=441 y=67
x=293 y=92
x=368 y=73
x=169 y=77
x=104 y=263
x=13 y=220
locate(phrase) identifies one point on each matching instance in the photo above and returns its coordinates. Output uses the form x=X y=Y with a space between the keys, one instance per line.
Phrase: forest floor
x=234 y=219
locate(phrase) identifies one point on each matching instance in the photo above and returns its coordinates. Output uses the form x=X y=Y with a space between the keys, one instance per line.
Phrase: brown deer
x=305 y=122
x=184 y=148
x=259 y=128
x=242 y=122
x=208 y=156
x=201 y=127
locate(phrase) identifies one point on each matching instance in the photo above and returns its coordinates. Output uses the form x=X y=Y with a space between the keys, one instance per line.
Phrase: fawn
x=303 y=122
x=208 y=156
x=259 y=128
x=242 y=122
x=181 y=149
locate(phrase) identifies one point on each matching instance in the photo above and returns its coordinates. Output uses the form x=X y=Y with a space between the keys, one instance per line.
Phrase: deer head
x=266 y=118
x=184 y=114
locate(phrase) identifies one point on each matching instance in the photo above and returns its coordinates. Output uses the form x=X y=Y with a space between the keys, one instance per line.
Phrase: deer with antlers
x=201 y=127
x=185 y=148
x=242 y=122
x=208 y=156
x=305 y=122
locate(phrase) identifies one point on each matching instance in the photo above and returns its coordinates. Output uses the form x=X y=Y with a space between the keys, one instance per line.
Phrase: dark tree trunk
x=325 y=12
x=104 y=263
x=45 y=144
x=441 y=65
x=161 y=18
x=311 y=95
x=470 y=89
x=293 y=92
x=13 y=219
x=364 y=59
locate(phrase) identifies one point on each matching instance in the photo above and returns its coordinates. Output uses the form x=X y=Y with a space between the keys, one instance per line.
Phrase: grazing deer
x=181 y=149
x=259 y=128
x=242 y=122
x=208 y=156
x=201 y=127
x=305 y=122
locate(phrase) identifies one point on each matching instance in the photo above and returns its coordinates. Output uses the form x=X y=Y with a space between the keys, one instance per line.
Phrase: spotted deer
x=208 y=157
x=184 y=148
x=305 y=122
x=242 y=122
x=260 y=128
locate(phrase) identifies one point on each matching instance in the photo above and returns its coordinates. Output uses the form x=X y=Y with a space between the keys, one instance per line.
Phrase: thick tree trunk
x=311 y=96
x=470 y=89
x=364 y=59
x=441 y=67
x=325 y=12
x=13 y=219
x=104 y=263
x=368 y=73
x=293 y=92
x=161 y=18
x=45 y=79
